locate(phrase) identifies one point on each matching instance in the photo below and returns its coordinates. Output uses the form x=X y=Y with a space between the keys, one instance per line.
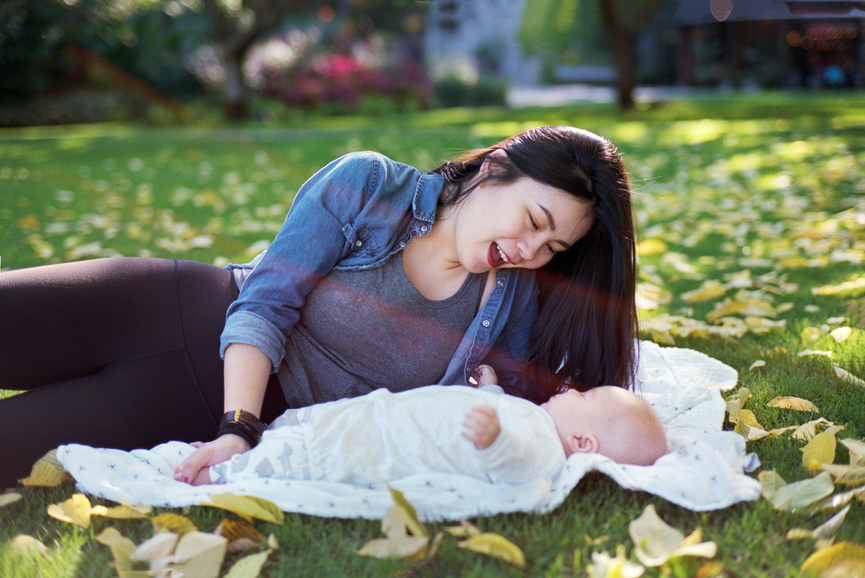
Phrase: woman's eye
x=534 y=224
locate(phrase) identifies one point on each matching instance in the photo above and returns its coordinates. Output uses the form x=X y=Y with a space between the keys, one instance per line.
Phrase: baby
x=385 y=436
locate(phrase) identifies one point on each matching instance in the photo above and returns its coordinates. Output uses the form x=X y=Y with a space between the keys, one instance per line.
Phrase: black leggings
x=120 y=353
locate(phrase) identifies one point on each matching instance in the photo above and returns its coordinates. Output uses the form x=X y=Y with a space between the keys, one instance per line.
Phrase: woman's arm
x=247 y=370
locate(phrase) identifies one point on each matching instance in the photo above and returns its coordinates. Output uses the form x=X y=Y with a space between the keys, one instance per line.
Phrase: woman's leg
x=113 y=352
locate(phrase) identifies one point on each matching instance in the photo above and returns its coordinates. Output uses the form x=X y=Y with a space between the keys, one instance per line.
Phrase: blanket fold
x=705 y=469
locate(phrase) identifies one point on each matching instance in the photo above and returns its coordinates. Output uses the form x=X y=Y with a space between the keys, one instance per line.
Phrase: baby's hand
x=483 y=375
x=481 y=426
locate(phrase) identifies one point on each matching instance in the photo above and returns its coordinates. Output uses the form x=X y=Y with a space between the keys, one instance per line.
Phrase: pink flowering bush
x=342 y=83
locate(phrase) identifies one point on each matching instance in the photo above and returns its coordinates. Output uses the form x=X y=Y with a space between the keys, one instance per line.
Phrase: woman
x=520 y=256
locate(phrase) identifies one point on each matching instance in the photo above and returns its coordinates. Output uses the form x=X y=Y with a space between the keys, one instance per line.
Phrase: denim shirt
x=354 y=214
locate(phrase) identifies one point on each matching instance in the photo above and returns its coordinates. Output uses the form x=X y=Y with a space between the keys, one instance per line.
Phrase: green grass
x=756 y=182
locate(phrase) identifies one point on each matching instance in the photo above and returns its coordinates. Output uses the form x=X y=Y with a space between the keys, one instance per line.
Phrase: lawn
x=751 y=215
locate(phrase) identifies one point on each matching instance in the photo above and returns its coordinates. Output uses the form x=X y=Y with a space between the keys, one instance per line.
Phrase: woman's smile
x=496 y=257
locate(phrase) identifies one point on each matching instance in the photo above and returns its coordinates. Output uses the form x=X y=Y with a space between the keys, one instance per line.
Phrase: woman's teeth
x=502 y=254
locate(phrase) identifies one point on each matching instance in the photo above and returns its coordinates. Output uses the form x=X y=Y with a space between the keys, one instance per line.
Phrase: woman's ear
x=583 y=444
x=487 y=166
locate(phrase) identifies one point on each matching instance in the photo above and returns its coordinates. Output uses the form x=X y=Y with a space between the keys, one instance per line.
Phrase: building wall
x=473 y=37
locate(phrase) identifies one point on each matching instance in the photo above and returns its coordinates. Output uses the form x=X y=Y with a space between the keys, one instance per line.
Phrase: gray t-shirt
x=364 y=330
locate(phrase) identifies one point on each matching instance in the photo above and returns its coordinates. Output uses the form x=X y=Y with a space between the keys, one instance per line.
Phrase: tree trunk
x=234 y=103
x=623 y=32
x=625 y=58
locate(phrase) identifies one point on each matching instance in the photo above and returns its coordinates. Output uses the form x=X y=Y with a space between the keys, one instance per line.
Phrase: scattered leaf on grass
x=400 y=541
x=805 y=352
x=249 y=566
x=820 y=450
x=121 y=550
x=10 y=498
x=47 y=472
x=847 y=376
x=841 y=334
x=193 y=555
x=798 y=495
x=28 y=545
x=808 y=430
x=75 y=510
x=496 y=546
x=756 y=364
x=604 y=566
x=846 y=475
x=408 y=513
x=241 y=536
x=171 y=522
x=655 y=542
x=795 y=403
x=247 y=507
x=857 y=451
x=846 y=555
x=465 y=530
x=709 y=290
x=126 y=511
x=826 y=530
x=738 y=400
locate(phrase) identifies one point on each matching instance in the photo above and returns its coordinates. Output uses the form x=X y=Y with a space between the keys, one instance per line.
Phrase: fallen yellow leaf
x=798 y=495
x=605 y=566
x=47 y=472
x=820 y=562
x=847 y=376
x=756 y=364
x=249 y=566
x=400 y=547
x=75 y=510
x=121 y=550
x=9 y=498
x=841 y=334
x=845 y=475
x=821 y=449
x=795 y=403
x=247 y=507
x=171 y=522
x=857 y=451
x=826 y=530
x=232 y=530
x=28 y=545
x=496 y=546
x=710 y=289
x=125 y=511
x=655 y=542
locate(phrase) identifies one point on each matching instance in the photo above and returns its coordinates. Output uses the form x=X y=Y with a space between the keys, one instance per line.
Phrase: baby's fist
x=481 y=426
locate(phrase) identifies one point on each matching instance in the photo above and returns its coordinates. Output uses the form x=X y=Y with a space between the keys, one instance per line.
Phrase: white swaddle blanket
x=705 y=468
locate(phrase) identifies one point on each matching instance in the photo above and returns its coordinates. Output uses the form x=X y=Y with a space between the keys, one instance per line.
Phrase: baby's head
x=608 y=420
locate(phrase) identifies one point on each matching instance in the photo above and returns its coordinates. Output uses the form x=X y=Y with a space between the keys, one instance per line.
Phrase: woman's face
x=518 y=224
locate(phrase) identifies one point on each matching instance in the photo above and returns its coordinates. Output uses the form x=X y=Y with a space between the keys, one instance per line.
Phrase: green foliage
x=453 y=91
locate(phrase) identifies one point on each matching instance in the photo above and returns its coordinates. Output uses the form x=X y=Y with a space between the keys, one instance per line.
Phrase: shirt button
x=424 y=228
x=402 y=244
x=500 y=282
x=485 y=323
x=358 y=243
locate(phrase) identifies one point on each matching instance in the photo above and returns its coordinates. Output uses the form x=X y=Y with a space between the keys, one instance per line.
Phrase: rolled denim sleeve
x=316 y=234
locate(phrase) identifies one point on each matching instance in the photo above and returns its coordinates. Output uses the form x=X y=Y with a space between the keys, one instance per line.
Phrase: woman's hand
x=481 y=426
x=195 y=469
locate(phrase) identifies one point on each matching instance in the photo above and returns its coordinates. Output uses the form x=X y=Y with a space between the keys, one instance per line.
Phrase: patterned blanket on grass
x=705 y=469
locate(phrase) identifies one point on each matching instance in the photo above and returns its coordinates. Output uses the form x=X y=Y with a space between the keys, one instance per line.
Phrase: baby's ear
x=583 y=444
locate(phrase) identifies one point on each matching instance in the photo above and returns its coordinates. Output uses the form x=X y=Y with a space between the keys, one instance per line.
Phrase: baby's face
x=580 y=407
x=624 y=428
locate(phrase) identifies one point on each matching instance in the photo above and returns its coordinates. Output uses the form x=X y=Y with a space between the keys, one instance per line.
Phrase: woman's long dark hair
x=586 y=330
